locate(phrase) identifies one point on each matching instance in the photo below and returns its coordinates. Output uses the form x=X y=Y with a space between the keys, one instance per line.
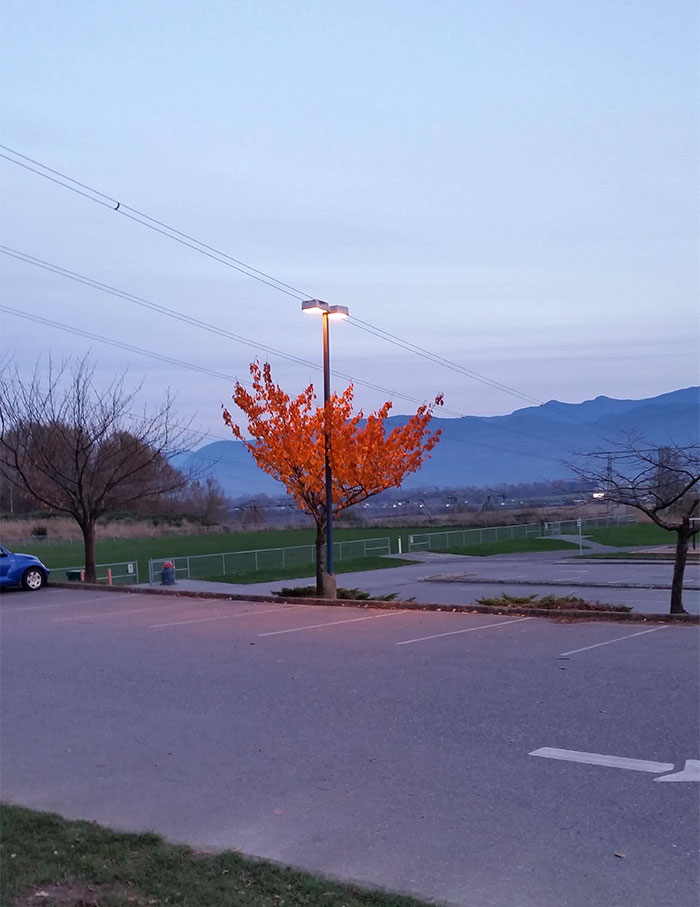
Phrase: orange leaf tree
x=287 y=439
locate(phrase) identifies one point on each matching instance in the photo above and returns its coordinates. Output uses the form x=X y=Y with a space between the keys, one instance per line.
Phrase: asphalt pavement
x=452 y=579
x=484 y=761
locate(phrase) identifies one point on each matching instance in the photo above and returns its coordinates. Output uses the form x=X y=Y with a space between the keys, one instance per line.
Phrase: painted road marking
x=58 y=620
x=503 y=623
x=691 y=772
x=635 y=765
x=331 y=623
x=611 y=641
x=202 y=620
x=35 y=608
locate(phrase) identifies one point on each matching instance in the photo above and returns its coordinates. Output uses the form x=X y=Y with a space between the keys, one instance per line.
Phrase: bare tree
x=661 y=482
x=79 y=449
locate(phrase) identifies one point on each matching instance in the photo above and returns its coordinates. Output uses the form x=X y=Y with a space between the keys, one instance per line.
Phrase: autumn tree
x=287 y=438
x=79 y=449
x=663 y=483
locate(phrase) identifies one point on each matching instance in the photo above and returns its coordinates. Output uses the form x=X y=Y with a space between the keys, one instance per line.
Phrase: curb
x=610 y=616
x=455 y=578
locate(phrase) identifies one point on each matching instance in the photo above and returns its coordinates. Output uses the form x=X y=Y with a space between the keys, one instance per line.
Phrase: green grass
x=81 y=863
x=268 y=576
x=634 y=534
x=70 y=554
x=514 y=546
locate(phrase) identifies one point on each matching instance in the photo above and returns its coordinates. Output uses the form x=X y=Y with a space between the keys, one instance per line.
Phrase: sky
x=510 y=186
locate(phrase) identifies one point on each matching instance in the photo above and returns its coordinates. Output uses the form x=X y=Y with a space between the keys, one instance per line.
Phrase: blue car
x=23 y=570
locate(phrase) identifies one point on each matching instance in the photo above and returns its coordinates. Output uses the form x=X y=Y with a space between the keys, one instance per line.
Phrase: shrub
x=550 y=602
x=40 y=531
x=351 y=594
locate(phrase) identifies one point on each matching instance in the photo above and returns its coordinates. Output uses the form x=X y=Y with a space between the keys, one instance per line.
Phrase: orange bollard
x=109 y=576
x=82 y=576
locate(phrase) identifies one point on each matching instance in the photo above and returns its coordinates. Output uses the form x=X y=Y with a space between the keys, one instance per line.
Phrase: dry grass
x=67 y=530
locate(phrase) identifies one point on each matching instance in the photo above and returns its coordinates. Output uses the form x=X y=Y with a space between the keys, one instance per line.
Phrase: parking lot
x=483 y=760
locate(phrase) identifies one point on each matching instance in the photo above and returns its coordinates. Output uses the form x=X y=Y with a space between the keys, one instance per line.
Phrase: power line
x=188 y=319
x=94 y=195
x=118 y=344
x=440 y=360
x=158 y=226
x=191 y=320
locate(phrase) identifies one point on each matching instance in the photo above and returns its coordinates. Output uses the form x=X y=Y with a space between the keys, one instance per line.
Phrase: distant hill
x=526 y=446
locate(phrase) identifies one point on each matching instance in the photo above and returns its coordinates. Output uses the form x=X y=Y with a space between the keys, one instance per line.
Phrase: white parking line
x=503 y=623
x=202 y=620
x=65 y=604
x=635 y=765
x=331 y=623
x=59 y=620
x=611 y=641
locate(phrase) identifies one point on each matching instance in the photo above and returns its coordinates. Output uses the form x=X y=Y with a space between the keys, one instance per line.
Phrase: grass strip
x=304 y=570
x=512 y=546
x=630 y=535
x=52 y=861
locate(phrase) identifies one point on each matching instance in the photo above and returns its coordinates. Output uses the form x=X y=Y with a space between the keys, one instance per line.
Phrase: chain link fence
x=463 y=538
x=120 y=573
x=230 y=563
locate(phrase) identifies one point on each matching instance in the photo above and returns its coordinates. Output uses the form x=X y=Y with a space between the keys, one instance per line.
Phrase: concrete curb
x=466 y=580
x=624 y=616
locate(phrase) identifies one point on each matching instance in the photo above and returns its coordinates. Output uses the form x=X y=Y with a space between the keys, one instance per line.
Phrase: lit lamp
x=318 y=307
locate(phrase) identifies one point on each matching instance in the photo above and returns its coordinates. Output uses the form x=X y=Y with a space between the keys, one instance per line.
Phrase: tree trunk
x=89 y=539
x=320 y=557
x=684 y=533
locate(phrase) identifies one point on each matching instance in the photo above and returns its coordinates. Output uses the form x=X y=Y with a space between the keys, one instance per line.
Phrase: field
x=634 y=534
x=58 y=555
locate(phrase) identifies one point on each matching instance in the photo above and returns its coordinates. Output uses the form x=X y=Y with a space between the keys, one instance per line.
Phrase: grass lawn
x=80 y=864
x=70 y=554
x=634 y=534
x=304 y=570
x=514 y=546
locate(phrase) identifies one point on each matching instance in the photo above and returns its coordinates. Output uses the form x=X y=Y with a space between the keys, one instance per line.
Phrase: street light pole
x=317 y=306
x=327 y=443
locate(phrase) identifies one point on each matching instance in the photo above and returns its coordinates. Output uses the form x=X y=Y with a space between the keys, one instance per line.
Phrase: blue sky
x=511 y=185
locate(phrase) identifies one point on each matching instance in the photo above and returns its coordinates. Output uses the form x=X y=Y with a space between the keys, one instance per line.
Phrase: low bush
x=549 y=602
x=352 y=594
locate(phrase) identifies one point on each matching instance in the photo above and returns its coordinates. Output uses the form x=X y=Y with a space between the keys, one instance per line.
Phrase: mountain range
x=528 y=445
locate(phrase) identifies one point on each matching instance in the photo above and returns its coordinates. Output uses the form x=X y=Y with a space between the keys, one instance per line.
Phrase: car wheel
x=33 y=579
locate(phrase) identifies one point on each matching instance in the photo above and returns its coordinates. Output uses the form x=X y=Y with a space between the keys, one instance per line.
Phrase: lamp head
x=314 y=306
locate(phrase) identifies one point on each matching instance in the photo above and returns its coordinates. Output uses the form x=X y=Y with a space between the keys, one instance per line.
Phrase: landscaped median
x=529 y=610
x=50 y=861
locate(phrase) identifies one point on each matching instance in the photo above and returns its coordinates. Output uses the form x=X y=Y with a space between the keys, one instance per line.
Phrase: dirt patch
x=85 y=894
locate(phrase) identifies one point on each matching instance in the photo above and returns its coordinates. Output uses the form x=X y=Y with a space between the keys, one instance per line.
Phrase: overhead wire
x=191 y=320
x=197 y=322
x=119 y=344
x=161 y=227
x=164 y=229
